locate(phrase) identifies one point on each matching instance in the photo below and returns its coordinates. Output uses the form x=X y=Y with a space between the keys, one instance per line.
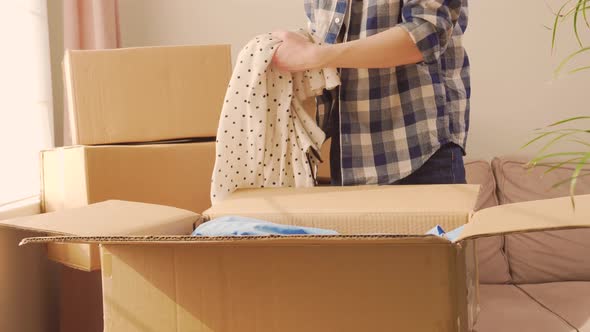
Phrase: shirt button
x=337 y=20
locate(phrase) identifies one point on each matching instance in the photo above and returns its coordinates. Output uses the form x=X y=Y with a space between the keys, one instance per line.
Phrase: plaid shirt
x=385 y=123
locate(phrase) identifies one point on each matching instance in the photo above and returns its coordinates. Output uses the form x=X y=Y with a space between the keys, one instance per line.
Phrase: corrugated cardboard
x=330 y=283
x=176 y=175
x=80 y=301
x=340 y=284
x=142 y=219
x=105 y=219
x=356 y=210
x=145 y=94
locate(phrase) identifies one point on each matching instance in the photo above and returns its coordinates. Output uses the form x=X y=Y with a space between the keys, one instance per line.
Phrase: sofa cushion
x=492 y=261
x=480 y=172
x=569 y=300
x=518 y=183
x=549 y=256
x=506 y=308
x=493 y=265
x=542 y=256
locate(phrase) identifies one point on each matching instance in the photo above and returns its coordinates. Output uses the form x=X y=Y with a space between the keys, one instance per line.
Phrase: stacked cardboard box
x=143 y=123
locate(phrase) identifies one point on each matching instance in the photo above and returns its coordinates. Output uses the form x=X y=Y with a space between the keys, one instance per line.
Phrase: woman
x=401 y=115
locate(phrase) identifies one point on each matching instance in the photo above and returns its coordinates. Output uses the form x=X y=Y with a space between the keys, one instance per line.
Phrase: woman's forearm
x=387 y=49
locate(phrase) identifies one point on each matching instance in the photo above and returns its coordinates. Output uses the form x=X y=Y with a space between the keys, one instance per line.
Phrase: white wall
x=177 y=22
x=513 y=90
x=512 y=73
x=25 y=97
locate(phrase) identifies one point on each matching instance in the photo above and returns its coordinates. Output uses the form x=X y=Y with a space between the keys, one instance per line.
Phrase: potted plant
x=574 y=130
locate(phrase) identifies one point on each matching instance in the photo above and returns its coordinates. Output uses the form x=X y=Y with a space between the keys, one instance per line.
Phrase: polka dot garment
x=266 y=137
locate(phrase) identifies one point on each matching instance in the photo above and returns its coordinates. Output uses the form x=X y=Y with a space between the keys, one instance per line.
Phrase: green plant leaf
x=554 y=140
x=578 y=69
x=560 y=164
x=576 y=32
x=536 y=160
x=569 y=58
x=584 y=13
x=584 y=117
x=564 y=133
x=568 y=180
x=556 y=23
x=557 y=131
x=572 y=12
x=545 y=132
x=580 y=142
x=537 y=139
x=581 y=164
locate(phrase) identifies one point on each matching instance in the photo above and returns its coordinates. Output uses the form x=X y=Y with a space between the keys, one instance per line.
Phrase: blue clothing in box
x=451 y=236
x=240 y=226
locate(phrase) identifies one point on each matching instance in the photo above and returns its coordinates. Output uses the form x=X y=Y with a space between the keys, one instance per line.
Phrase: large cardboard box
x=177 y=175
x=363 y=282
x=145 y=94
x=391 y=210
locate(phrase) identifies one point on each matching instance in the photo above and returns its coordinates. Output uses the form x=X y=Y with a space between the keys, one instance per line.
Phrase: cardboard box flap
x=542 y=215
x=110 y=218
x=355 y=209
x=271 y=240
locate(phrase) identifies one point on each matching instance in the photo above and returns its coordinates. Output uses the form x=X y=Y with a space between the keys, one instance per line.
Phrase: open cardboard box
x=405 y=281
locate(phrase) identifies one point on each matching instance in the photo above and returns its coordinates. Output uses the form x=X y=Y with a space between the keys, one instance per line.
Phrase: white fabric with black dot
x=266 y=138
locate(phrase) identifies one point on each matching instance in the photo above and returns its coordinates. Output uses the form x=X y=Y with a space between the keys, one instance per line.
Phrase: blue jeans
x=446 y=166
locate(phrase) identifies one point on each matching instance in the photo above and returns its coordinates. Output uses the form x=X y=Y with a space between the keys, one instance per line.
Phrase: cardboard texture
x=541 y=215
x=332 y=286
x=145 y=94
x=142 y=219
x=80 y=301
x=177 y=175
x=330 y=283
x=382 y=209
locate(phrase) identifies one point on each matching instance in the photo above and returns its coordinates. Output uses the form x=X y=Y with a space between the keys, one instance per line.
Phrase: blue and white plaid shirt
x=385 y=123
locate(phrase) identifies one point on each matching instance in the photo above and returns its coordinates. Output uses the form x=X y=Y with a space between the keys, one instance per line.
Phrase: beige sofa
x=530 y=282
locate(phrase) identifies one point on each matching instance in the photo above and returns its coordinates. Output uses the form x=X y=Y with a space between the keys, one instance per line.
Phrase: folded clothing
x=241 y=226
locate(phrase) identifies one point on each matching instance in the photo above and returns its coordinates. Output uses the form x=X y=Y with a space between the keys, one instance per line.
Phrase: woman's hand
x=296 y=53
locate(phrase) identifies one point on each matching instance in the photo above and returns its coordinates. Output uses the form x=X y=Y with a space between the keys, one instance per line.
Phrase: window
x=25 y=96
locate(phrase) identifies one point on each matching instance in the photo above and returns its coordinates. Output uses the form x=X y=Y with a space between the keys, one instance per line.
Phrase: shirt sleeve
x=430 y=24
